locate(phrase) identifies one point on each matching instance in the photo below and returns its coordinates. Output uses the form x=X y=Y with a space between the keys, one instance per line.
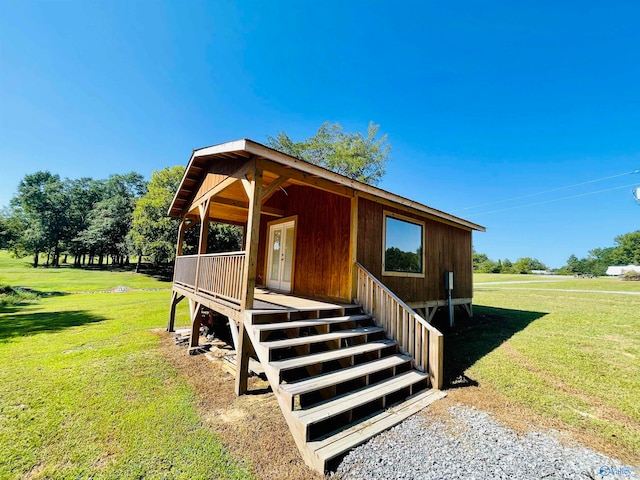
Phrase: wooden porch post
x=253 y=188
x=254 y=191
x=353 y=247
x=203 y=209
x=181 y=229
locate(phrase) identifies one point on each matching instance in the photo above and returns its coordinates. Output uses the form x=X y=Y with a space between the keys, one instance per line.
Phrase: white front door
x=280 y=255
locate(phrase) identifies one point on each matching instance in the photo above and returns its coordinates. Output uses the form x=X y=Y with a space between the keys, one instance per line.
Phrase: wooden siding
x=448 y=248
x=322 y=245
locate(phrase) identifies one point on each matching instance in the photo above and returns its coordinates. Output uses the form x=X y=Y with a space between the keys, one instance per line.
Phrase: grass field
x=85 y=391
x=571 y=356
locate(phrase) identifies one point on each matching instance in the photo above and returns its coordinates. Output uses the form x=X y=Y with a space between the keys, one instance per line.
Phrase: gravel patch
x=472 y=445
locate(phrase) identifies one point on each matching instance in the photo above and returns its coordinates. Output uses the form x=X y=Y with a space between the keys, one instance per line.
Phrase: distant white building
x=619 y=270
x=542 y=272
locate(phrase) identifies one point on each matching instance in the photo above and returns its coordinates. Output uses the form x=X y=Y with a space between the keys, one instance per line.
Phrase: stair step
x=357 y=398
x=337 y=443
x=346 y=374
x=332 y=355
x=324 y=337
x=314 y=322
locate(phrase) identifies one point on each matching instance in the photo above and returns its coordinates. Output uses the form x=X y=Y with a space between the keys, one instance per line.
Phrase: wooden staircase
x=338 y=380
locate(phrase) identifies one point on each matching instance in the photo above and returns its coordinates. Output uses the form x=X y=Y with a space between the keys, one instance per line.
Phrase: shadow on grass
x=14 y=324
x=163 y=273
x=473 y=338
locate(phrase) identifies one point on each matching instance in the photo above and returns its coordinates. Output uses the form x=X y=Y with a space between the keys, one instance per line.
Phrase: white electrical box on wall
x=448 y=280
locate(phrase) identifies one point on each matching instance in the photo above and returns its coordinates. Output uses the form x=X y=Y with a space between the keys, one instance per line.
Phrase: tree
x=627 y=249
x=507 y=266
x=84 y=194
x=153 y=232
x=526 y=264
x=224 y=238
x=41 y=198
x=478 y=258
x=111 y=218
x=353 y=155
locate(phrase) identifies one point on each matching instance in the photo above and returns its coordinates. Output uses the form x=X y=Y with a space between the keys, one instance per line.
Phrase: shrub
x=13 y=296
x=631 y=276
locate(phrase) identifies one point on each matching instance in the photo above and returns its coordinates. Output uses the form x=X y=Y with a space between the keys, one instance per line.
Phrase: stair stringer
x=273 y=376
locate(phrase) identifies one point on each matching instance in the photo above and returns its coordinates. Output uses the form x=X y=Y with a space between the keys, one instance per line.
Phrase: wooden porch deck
x=266 y=300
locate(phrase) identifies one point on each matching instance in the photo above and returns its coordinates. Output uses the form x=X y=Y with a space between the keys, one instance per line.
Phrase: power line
x=553 y=200
x=548 y=191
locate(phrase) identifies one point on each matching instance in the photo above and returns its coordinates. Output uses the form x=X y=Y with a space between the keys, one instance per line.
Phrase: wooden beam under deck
x=210 y=302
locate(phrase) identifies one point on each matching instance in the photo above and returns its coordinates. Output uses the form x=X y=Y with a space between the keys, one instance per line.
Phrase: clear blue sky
x=482 y=101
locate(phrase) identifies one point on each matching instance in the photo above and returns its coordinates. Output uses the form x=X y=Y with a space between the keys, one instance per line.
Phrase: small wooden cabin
x=333 y=291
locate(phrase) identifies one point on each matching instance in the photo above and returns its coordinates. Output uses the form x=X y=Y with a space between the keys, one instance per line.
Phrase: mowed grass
x=85 y=391
x=495 y=280
x=20 y=273
x=571 y=356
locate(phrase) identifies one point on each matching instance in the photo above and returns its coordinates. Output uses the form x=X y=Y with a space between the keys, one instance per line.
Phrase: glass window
x=403 y=247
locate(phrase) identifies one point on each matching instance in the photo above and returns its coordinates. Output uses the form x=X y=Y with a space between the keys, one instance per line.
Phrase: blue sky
x=482 y=101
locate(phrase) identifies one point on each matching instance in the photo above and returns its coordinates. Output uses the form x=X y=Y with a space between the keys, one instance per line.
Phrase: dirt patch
x=251 y=426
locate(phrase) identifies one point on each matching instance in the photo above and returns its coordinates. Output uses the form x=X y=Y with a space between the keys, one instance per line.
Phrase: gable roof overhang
x=305 y=173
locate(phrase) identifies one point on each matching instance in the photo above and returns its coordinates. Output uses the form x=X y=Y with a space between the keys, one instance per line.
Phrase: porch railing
x=184 y=271
x=414 y=335
x=218 y=274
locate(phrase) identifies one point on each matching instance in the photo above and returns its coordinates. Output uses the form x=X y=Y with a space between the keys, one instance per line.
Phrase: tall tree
x=627 y=248
x=354 y=155
x=84 y=194
x=526 y=264
x=111 y=218
x=42 y=198
x=153 y=232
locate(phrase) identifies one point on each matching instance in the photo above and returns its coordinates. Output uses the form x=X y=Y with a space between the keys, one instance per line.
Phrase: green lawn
x=19 y=273
x=571 y=356
x=495 y=280
x=86 y=393
x=84 y=389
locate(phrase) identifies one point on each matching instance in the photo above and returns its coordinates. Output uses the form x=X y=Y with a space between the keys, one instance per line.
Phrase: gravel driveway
x=472 y=445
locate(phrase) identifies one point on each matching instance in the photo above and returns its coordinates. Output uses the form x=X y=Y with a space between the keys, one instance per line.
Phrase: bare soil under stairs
x=338 y=380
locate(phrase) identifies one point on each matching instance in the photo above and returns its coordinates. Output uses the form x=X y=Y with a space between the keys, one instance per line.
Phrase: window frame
x=420 y=223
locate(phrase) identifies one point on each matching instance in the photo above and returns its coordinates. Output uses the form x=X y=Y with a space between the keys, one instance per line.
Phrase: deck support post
x=243 y=352
x=175 y=300
x=194 y=310
x=254 y=192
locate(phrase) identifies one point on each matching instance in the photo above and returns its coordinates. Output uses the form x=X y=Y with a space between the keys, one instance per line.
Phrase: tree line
x=93 y=221
x=625 y=251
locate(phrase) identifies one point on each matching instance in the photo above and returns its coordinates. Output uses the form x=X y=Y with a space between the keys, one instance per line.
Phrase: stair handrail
x=425 y=344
